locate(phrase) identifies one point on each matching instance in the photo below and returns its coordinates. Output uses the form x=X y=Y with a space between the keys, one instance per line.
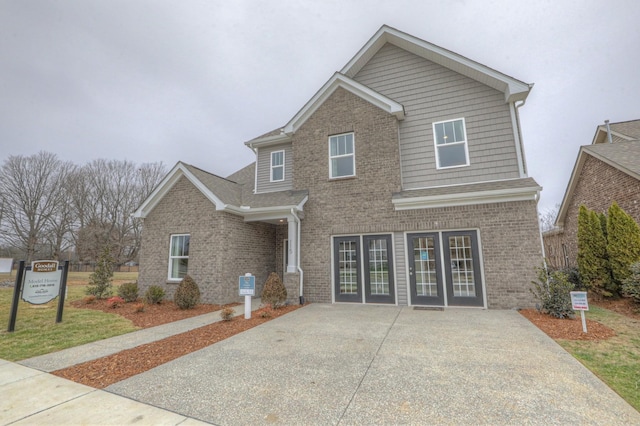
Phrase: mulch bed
x=569 y=329
x=105 y=371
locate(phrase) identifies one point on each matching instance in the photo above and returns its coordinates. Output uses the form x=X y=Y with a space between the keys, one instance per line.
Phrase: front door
x=461 y=270
x=425 y=280
x=373 y=274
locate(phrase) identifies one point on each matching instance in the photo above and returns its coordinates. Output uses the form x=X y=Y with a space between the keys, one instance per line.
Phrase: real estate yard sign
x=38 y=284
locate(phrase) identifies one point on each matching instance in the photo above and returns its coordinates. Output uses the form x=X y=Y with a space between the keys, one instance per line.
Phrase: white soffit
x=513 y=89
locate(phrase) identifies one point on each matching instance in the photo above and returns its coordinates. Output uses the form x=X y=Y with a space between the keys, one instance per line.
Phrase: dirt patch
x=105 y=371
x=624 y=306
x=569 y=329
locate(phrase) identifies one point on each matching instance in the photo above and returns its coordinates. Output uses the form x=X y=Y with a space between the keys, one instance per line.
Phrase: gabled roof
x=624 y=156
x=336 y=81
x=623 y=131
x=235 y=197
x=513 y=89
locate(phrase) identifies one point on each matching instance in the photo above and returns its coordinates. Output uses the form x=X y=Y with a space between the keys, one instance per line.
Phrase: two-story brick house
x=401 y=181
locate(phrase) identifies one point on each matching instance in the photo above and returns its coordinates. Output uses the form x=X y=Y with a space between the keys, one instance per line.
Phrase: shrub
x=138 y=307
x=100 y=280
x=553 y=291
x=154 y=295
x=631 y=285
x=87 y=300
x=187 y=294
x=227 y=314
x=274 y=292
x=623 y=242
x=115 y=302
x=592 y=253
x=128 y=291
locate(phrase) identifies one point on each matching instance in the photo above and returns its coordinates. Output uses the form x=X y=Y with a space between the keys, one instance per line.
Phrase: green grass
x=616 y=361
x=36 y=332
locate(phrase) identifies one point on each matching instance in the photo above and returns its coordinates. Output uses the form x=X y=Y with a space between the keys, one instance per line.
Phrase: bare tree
x=32 y=189
x=548 y=217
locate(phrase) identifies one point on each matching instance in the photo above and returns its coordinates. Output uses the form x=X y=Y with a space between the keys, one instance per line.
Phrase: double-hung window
x=342 y=160
x=178 y=256
x=277 y=166
x=451 y=143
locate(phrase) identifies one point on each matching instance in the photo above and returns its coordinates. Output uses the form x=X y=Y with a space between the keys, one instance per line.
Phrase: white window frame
x=170 y=276
x=463 y=142
x=352 y=155
x=273 y=167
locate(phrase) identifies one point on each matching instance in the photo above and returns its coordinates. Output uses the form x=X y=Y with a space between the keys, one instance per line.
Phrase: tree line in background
x=54 y=209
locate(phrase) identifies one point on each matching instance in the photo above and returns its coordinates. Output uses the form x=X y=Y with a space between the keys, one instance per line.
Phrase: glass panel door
x=462 y=267
x=378 y=269
x=425 y=280
x=346 y=254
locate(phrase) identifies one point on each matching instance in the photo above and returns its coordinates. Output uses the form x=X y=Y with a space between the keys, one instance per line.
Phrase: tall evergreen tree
x=623 y=243
x=592 y=253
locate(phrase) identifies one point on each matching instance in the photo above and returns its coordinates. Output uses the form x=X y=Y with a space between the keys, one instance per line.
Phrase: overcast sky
x=192 y=80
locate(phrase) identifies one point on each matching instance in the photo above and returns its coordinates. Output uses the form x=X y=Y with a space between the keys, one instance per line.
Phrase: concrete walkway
x=340 y=364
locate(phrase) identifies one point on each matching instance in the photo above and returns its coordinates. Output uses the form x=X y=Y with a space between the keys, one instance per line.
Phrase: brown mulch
x=105 y=371
x=152 y=315
x=623 y=306
x=569 y=329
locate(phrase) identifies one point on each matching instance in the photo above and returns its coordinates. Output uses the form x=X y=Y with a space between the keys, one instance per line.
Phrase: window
x=277 y=166
x=341 y=156
x=451 y=143
x=178 y=256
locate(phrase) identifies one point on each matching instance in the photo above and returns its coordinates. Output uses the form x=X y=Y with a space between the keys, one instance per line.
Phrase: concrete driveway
x=357 y=364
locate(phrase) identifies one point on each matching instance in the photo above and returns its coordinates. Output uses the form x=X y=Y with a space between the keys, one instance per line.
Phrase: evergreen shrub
x=631 y=285
x=100 y=280
x=128 y=291
x=187 y=294
x=553 y=291
x=623 y=243
x=154 y=295
x=274 y=292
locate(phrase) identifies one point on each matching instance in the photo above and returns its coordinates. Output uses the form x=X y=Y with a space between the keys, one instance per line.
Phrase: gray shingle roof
x=624 y=156
x=627 y=128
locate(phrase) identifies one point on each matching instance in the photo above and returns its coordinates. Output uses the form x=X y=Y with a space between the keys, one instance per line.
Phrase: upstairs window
x=451 y=144
x=178 y=256
x=277 y=166
x=342 y=160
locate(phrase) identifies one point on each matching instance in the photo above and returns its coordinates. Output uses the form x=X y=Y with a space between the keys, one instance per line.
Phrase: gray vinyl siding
x=264 y=183
x=432 y=93
x=400 y=268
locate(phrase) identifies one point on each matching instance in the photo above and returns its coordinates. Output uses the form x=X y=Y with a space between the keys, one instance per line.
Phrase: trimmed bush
x=154 y=295
x=115 y=302
x=553 y=291
x=592 y=254
x=187 y=294
x=128 y=291
x=623 y=243
x=274 y=291
x=631 y=286
x=227 y=314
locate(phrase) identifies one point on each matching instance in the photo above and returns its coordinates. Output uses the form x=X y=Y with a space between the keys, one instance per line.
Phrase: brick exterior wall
x=598 y=186
x=509 y=233
x=222 y=246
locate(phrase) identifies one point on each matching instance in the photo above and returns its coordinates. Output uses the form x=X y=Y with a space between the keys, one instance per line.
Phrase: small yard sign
x=42 y=282
x=580 y=303
x=247 y=284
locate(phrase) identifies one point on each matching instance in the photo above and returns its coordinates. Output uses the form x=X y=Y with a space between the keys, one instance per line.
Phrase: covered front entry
x=444 y=266
x=363 y=269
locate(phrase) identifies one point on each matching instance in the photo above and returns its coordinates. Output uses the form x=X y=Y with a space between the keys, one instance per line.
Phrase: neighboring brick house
x=608 y=170
x=401 y=181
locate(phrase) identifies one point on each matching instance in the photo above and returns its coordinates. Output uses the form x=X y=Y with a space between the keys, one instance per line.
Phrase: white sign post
x=580 y=303
x=247 y=284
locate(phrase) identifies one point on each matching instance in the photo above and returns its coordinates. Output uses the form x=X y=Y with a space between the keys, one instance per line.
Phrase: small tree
x=100 y=280
x=274 y=291
x=187 y=294
x=623 y=243
x=631 y=286
x=592 y=253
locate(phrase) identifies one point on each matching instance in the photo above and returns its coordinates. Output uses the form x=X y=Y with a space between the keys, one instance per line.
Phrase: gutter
x=298 y=222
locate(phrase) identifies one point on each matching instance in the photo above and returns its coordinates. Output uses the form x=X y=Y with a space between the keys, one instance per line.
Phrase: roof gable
x=624 y=156
x=625 y=131
x=512 y=88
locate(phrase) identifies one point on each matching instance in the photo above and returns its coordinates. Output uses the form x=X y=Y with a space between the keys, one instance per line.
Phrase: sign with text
x=579 y=301
x=42 y=282
x=247 y=284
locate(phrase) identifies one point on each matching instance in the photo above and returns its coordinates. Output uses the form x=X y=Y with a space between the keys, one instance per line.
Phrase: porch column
x=293 y=244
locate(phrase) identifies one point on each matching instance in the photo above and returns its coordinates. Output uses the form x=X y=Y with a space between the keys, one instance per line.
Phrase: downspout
x=298 y=223
x=606 y=122
x=524 y=161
